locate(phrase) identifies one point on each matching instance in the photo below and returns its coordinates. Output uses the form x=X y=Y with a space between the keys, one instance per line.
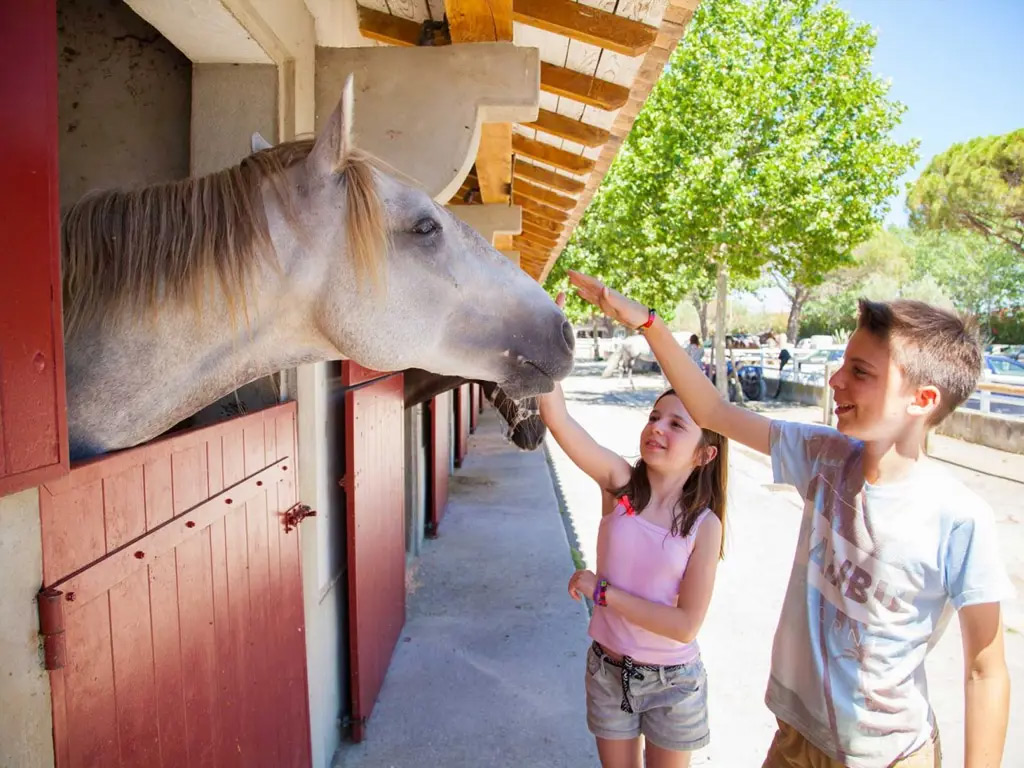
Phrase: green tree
x=766 y=140
x=976 y=186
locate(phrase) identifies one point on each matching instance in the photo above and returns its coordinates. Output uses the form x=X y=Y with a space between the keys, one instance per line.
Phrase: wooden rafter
x=546 y=153
x=540 y=235
x=544 y=211
x=535 y=241
x=567 y=128
x=543 y=195
x=585 y=89
x=559 y=81
x=586 y=24
x=474 y=21
x=529 y=217
x=532 y=172
x=477 y=21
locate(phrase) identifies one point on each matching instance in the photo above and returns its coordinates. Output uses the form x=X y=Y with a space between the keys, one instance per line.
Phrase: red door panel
x=33 y=419
x=181 y=598
x=375 y=497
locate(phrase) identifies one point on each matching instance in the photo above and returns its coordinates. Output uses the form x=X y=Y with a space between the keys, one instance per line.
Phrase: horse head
x=402 y=283
x=177 y=294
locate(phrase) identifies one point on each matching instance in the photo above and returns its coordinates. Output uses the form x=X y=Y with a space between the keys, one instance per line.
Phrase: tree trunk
x=701 y=306
x=722 y=295
x=796 y=306
x=597 y=346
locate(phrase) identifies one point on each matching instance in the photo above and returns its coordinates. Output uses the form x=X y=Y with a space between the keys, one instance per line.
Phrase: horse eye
x=426 y=227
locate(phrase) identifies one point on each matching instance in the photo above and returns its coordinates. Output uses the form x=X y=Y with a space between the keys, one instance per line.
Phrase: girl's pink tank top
x=645 y=560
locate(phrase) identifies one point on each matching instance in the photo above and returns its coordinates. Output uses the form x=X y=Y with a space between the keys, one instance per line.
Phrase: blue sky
x=957 y=66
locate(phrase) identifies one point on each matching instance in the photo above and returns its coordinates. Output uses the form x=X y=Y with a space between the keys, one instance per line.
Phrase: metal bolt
x=259 y=483
x=139 y=554
x=190 y=524
x=70 y=597
x=227 y=501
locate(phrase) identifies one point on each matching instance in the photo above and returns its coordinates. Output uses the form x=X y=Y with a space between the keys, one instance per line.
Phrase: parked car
x=1014 y=352
x=815 y=362
x=1001 y=369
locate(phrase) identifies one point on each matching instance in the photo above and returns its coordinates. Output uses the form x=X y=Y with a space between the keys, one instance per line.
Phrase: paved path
x=761 y=535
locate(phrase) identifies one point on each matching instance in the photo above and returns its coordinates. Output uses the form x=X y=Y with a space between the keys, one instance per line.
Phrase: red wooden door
x=375 y=493
x=181 y=599
x=462 y=419
x=33 y=422
x=474 y=406
x=437 y=461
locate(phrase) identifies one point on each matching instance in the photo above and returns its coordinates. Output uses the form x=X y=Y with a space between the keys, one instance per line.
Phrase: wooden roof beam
x=551 y=155
x=567 y=128
x=544 y=211
x=546 y=196
x=560 y=81
x=586 y=24
x=540 y=235
x=529 y=217
x=479 y=21
x=585 y=89
x=557 y=181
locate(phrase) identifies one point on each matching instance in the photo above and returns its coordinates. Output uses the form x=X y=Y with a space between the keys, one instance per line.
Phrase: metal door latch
x=296 y=515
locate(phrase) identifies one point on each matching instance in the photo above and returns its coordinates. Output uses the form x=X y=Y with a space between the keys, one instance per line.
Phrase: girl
x=658 y=548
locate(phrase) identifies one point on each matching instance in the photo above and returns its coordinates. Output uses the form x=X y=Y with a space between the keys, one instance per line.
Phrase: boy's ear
x=926 y=400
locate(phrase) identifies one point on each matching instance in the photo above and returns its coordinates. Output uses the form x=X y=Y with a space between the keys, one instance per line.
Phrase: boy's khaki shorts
x=790 y=749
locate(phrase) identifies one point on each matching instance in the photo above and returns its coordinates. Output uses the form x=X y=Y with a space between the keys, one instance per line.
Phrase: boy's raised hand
x=630 y=313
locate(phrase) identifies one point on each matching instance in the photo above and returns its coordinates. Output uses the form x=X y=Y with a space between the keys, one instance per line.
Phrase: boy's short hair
x=932 y=347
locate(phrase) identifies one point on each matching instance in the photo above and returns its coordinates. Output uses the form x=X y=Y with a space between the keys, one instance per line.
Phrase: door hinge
x=51 y=626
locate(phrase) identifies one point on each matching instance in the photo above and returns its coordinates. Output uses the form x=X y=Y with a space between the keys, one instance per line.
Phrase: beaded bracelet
x=601 y=592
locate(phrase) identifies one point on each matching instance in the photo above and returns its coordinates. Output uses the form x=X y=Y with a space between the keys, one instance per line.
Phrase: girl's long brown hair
x=703 y=489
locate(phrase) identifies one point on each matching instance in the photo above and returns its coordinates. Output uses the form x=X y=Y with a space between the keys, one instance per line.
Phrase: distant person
x=696 y=351
x=784 y=357
x=890 y=543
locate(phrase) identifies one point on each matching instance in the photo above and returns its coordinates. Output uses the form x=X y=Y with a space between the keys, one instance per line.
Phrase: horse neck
x=132 y=380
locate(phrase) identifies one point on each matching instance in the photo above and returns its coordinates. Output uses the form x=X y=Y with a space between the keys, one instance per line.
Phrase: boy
x=887 y=544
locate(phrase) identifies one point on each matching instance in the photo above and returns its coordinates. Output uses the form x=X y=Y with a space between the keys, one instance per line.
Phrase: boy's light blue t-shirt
x=877 y=571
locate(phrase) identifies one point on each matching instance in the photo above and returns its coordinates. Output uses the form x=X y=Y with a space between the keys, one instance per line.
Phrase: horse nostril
x=567 y=334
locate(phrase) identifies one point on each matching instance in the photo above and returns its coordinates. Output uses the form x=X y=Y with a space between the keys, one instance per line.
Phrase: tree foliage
x=766 y=140
x=963 y=270
x=976 y=186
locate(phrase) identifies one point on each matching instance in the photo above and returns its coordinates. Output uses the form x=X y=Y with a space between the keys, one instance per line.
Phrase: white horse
x=177 y=294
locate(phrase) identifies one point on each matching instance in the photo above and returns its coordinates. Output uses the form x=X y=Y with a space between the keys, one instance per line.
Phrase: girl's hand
x=630 y=313
x=582 y=584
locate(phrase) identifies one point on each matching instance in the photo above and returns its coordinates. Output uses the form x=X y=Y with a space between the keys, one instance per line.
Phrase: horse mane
x=126 y=252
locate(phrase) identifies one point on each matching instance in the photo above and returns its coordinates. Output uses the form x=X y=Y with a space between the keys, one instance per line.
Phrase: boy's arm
x=986 y=685
x=606 y=467
x=696 y=391
x=700 y=396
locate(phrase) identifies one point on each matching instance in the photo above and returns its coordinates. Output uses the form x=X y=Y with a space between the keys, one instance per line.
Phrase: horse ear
x=335 y=141
x=259 y=143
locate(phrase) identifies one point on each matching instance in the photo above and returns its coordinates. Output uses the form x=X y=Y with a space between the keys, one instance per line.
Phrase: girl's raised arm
x=606 y=467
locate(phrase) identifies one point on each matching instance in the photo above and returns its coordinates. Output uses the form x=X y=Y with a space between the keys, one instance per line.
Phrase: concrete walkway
x=489 y=667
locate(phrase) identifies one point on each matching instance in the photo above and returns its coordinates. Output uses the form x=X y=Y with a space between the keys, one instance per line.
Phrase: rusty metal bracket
x=296 y=515
x=51 y=626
